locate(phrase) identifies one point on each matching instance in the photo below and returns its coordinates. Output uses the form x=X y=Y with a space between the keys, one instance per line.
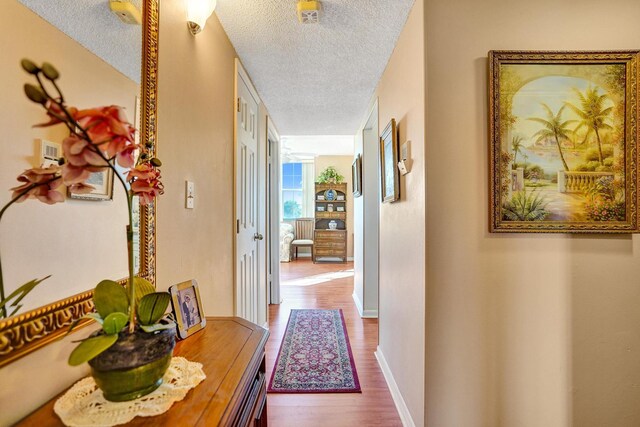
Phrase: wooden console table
x=234 y=393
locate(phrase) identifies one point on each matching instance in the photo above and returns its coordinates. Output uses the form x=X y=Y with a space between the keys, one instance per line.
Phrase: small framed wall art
x=187 y=308
x=356 y=176
x=389 y=177
x=102 y=183
x=563 y=141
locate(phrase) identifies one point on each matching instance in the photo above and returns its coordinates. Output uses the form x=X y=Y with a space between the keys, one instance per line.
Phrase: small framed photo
x=320 y=208
x=356 y=176
x=103 y=187
x=320 y=196
x=340 y=197
x=340 y=208
x=187 y=308
x=389 y=179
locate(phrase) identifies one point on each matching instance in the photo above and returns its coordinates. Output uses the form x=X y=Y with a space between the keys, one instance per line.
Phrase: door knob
x=258 y=236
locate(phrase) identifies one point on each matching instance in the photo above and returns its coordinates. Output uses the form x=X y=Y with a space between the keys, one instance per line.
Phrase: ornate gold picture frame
x=563 y=140
x=25 y=333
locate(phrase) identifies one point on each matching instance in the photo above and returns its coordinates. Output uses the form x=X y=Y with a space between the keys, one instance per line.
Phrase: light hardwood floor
x=372 y=407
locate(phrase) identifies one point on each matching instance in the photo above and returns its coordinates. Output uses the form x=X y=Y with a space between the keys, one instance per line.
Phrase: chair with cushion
x=303 y=236
x=286 y=237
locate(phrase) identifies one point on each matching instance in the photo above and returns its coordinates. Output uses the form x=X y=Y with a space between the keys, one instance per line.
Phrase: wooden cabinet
x=330 y=206
x=234 y=393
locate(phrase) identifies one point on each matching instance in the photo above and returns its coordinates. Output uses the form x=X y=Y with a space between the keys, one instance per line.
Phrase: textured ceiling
x=92 y=24
x=307 y=147
x=315 y=79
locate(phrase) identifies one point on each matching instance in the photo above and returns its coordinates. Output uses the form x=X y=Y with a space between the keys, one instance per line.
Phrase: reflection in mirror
x=78 y=242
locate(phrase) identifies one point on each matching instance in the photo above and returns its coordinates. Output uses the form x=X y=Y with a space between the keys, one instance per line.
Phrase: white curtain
x=308 y=189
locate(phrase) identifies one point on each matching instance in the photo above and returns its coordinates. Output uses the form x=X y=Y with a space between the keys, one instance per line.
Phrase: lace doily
x=83 y=404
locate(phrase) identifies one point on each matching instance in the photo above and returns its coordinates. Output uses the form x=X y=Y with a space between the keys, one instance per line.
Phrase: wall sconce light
x=198 y=11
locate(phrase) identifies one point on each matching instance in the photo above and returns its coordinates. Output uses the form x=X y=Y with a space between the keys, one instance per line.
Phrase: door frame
x=368 y=260
x=239 y=71
x=273 y=215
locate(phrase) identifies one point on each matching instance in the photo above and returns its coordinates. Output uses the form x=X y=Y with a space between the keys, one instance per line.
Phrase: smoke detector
x=126 y=11
x=308 y=11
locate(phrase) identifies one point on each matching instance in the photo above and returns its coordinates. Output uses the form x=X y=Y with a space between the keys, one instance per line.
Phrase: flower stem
x=132 y=288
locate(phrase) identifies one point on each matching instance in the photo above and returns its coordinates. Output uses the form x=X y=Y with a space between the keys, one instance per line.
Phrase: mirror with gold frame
x=36 y=239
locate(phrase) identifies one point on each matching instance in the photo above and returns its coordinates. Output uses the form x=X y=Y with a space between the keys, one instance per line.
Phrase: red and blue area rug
x=315 y=355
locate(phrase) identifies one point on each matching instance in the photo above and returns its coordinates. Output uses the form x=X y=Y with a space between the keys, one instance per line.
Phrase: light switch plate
x=189 y=195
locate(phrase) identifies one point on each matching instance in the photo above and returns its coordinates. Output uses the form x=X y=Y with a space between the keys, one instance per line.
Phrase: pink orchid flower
x=108 y=128
x=145 y=183
x=127 y=157
x=55 y=113
x=46 y=180
x=79 y=152
x=81 y=188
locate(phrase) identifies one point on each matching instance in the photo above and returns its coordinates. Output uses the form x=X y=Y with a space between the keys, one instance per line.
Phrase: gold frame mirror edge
x=30 y=331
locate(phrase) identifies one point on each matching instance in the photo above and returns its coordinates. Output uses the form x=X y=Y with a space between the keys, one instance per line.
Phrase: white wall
x=366 y=218
x=195 y=141
x=523 y=330
x=402 y=224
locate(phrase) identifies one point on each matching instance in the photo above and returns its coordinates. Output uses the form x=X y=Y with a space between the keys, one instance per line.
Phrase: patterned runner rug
x=315 y=355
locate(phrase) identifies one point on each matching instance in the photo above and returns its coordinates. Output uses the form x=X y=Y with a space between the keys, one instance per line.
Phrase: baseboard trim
x=358 y=304
x=370 y=314
x=401 y=406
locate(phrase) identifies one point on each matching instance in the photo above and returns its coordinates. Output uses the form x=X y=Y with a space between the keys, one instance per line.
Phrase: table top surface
x=230 y=349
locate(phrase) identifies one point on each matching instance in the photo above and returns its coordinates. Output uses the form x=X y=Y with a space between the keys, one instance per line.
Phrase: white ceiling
x=302 y=148
x=92 y=24
x=315 y=79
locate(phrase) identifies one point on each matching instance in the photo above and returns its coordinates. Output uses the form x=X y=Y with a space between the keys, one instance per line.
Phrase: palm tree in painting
x=516 y=145
x=593 y=115
x=555 y=128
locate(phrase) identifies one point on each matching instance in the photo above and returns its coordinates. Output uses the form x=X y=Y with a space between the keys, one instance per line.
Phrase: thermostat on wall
x=50 y=153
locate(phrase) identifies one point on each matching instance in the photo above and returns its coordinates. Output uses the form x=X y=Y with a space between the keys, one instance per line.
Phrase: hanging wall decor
x=389 y=179
x=563 y=141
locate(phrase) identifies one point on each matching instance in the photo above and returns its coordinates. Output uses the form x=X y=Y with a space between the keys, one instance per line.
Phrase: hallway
x=314 y=286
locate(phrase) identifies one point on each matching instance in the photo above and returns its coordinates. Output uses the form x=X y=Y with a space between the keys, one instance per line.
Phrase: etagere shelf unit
x=330 y=241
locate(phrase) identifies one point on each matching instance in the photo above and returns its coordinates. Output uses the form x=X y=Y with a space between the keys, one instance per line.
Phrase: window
x=297 y=200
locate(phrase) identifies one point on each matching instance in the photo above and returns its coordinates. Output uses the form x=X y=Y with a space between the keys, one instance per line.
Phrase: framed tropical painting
x=563 y=141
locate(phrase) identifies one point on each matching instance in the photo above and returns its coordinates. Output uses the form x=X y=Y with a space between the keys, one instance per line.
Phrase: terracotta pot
x=134 y=365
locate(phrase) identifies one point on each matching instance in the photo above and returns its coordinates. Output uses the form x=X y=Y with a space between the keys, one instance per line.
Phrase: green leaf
x=157 y=327
x=114 y=323
x=93 y=316
x=109 y=297
x=90 y=348
x=20 y=293
x=142 y=287
x=152 y=307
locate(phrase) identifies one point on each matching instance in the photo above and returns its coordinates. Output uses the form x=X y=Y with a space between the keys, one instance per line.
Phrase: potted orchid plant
x=133 y=349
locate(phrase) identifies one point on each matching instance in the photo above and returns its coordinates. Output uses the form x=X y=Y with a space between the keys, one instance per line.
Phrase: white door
x=247 y=266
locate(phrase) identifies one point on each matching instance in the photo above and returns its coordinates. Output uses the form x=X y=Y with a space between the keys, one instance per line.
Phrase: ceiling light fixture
x=198 y=11
x=308 y=11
